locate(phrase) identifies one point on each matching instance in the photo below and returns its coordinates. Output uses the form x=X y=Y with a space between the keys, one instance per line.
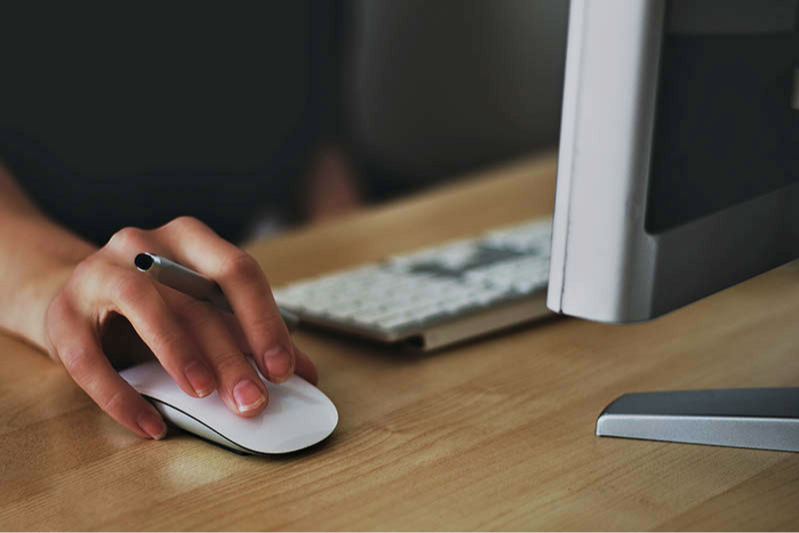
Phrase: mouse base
x=191 y=425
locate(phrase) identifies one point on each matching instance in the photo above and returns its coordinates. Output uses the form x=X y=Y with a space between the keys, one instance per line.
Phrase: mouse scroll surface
x=298 y=414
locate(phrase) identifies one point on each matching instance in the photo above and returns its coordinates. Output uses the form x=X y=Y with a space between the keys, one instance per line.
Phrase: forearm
x=36 y=257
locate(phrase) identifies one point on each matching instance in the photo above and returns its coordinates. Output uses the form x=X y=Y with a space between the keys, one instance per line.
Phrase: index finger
x=197 y=246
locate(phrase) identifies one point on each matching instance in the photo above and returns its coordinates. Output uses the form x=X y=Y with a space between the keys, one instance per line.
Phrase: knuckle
x=267 y=332
x=112 y=403
x=127 y=238
x=169 y=341
x=58 y=309
x=77 y=360
x=182 y=223
x=270 y=324
x=82 y=271
x=240 y=266
x=229 y=364
x=56 y=316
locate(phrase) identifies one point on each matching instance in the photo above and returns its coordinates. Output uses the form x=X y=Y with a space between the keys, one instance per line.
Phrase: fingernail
x=278 y=363
x=151 y=424
x=200 y=378
x=248 y=396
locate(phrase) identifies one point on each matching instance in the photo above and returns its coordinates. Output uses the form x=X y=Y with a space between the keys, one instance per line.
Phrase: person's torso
x=126 y=115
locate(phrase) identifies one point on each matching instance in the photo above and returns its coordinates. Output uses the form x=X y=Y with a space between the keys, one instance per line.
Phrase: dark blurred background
x=267 y=114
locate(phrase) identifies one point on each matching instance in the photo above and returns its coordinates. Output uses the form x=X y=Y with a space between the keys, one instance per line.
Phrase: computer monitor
x=678 y=175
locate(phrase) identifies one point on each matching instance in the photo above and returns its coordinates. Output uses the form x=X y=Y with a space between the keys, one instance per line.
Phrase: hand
x=201 y=347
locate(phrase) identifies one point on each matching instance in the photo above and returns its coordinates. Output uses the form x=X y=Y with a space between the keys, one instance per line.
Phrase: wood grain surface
x=493 y=434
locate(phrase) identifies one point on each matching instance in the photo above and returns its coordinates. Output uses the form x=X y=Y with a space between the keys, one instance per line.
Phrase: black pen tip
x=144 y=262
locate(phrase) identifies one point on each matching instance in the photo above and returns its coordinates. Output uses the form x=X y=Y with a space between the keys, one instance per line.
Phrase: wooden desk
x=496 y=434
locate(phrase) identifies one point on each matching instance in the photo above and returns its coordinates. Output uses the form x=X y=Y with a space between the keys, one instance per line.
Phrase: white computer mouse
x=298 y=414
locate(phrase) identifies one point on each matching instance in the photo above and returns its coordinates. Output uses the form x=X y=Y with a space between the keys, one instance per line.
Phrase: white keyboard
x=435 y=296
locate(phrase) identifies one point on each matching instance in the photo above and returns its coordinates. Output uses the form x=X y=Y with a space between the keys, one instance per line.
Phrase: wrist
x=35 y=300
x=37 y=256
x=35 y=272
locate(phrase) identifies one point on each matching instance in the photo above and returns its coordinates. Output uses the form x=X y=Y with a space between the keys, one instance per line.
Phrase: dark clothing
x=114 y=115
x=114 y=118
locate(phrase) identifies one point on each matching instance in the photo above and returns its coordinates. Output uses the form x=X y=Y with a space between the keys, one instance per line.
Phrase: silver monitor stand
x=745 y=418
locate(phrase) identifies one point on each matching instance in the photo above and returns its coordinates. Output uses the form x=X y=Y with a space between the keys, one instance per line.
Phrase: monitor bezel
x=605 y=266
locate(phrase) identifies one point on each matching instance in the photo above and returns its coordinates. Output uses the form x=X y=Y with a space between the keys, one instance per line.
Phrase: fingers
x=127 y=243
x=240 y=387
x=245 y=286
x=200 y=347
x=304 y=366
x=79 y=349
x=135 y=297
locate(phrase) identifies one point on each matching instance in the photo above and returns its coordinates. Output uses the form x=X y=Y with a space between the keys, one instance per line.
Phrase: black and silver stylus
x=193 y=283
